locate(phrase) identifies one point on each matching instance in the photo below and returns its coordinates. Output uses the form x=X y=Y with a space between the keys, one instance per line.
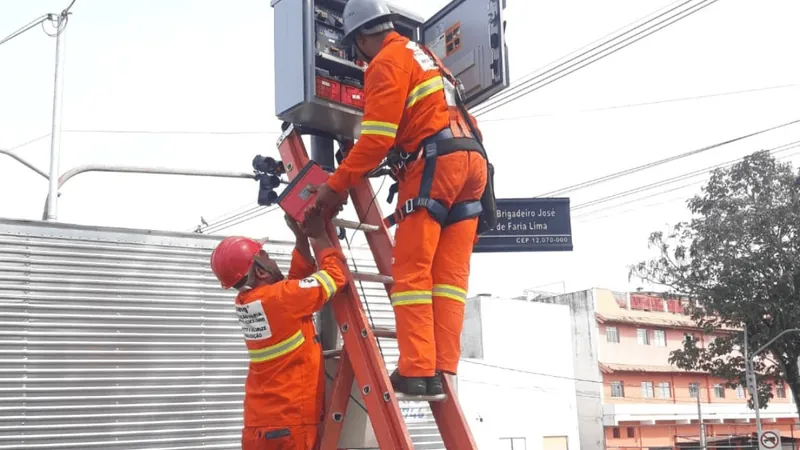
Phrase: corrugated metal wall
x=122 y=339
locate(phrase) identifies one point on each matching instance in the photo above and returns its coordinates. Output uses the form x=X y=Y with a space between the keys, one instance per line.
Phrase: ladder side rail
x=369 y=212
x=366 y=361
x=448 y=413
x=337 y=403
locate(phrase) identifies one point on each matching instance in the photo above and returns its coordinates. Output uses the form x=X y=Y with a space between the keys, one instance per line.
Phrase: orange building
x=647 y=403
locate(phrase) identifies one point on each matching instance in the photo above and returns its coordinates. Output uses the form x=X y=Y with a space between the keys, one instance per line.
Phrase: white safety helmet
x=358 y=13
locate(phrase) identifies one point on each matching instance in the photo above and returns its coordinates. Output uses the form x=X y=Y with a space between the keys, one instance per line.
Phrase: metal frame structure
x=360 y=359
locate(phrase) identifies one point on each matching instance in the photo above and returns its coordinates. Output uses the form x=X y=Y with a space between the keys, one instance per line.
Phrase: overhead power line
x=650 y=103
x=25 y=28
x=579 y=62
x=33 y=23
x=528 y=77
x=593 y=213
x=673 y=180
x=650 y=165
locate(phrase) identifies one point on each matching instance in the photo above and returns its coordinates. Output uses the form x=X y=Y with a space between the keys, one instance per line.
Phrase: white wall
x=522 y=384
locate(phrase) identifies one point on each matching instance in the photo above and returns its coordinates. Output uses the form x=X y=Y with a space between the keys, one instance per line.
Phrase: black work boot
x=408 y=385
x=435 y=386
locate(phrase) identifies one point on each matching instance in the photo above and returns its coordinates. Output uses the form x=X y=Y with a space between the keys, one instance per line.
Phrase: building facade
x=646 y=402
x=518 y=395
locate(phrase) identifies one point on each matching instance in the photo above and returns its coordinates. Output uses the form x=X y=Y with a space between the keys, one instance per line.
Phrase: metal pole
x=322 y=153
x=55 y=134
x=700 y=421
x=750 y=376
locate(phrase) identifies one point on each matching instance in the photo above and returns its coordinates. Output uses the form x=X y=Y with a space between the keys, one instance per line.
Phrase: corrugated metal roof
x=122 y=339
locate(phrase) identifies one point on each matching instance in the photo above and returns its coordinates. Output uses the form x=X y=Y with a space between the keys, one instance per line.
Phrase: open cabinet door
x=468 y=36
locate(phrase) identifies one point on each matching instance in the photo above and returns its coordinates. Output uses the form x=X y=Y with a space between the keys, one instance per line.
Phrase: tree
x=738 y=262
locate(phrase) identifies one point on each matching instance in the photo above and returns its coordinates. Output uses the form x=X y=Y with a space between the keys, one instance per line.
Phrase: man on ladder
x=285 y=387
x=410 y=109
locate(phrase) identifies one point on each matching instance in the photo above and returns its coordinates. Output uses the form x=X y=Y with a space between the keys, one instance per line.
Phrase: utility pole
x=700 y=420
x=752 y=386
x=55 y=133
x=750 y=373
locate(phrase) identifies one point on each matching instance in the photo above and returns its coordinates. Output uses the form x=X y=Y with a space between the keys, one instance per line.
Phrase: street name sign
x=529 y=225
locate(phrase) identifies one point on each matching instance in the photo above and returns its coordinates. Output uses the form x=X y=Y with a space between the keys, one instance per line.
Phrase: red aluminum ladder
x=360 y=358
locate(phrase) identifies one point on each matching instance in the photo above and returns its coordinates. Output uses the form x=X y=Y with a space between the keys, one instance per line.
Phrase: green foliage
x=737 y=262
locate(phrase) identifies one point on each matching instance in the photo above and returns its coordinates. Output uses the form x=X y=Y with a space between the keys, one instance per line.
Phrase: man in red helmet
x=285 y=387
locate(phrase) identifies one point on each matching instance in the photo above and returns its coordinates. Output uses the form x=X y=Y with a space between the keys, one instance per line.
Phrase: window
x=513 y=443
x=647 y=389
x=642 y=337
x=664 y=390
x=615 y=433
x=780 y=390
x=739 y=391
x=631 y=432
x=612 y=335
x=719 y=391
x=617 y=389
x=694 y=390
x=660 y=338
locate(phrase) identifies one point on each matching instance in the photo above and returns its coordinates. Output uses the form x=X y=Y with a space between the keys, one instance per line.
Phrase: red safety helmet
x=232 y=258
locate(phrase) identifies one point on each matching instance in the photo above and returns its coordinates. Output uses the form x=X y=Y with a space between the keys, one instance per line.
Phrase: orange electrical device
x=296 y=199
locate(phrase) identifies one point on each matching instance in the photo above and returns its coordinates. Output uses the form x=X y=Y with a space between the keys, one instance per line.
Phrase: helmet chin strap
x=362 y=52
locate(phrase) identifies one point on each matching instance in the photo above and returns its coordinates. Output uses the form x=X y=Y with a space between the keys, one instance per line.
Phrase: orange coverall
x=404 y=104
x=285 y=387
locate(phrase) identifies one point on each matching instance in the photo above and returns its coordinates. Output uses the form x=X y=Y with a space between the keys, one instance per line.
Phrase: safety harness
x=460 y=135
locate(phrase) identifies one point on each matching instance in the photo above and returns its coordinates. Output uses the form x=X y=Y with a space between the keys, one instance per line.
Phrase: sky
x=189 y=84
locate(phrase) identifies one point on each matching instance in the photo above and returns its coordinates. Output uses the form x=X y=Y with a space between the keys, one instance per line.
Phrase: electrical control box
x=319 y=83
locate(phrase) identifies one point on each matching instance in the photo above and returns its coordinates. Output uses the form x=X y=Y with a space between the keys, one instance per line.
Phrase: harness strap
x=463 y=210
x=440 y=144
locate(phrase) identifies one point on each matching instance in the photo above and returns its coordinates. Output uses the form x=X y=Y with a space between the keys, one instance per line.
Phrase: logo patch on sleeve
x=309 y=282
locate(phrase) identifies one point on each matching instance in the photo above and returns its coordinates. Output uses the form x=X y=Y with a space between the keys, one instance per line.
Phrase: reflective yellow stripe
x=450 y=291
x=279 y=349
x=378 y=128
x=412 y=298
x=423 y=90
x=326 y=281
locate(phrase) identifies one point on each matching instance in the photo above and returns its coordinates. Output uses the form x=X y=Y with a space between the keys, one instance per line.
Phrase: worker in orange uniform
x=285 y=387
x=441 y=168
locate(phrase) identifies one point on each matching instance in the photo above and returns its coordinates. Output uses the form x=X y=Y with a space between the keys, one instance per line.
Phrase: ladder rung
x=335 y=353
x=401 y=397
x=373 y=277
x=355 y=225
x=384 y=333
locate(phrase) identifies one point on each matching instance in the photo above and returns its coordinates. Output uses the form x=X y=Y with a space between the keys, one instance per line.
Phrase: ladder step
x=335 y=353
x=373 y=277
x=384 y=333
x=401 y=397
x=356 y=225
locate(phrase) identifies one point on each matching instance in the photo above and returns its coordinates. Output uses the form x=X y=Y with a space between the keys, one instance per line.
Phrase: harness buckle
x=409 y=206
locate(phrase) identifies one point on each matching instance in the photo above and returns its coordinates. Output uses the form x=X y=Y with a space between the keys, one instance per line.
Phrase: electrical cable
x=640 y=168
x=233 y=218
x=258 y=213
x=582 y=63
x=364 y=294
x=647 y=187
x=227 y=217
x=25 y=28
x=777 y=150
x=519 y=83
x=650 y=103
x=330 y=377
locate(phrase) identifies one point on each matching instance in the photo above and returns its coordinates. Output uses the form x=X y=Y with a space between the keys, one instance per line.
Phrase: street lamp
x=750 y=375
